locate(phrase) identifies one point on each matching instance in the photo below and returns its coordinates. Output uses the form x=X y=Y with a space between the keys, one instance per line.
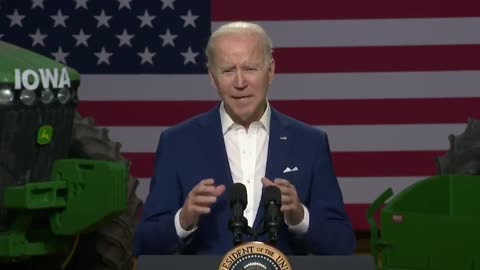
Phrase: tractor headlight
x=28 y=97
x=64 y=95
x=6 y=96
x=47 y=96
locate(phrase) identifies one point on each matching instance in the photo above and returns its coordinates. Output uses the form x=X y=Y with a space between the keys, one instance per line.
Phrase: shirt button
x=248 y=181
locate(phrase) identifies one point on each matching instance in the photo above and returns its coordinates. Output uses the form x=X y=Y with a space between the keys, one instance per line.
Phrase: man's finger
x=285 y=190
x=286 y=199
x=282 y=182
x=200 y=210
x=203 y=189
x=219 y=190
x=207 y=182
x=287 y=207
x=204 y=200
x=267 y=182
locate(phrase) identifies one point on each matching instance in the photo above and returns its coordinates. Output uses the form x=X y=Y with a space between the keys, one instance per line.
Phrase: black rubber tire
x=463 y=155
x=109 y=247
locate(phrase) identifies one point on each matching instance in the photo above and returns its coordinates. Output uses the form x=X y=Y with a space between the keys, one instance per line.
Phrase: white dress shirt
x=247 y=156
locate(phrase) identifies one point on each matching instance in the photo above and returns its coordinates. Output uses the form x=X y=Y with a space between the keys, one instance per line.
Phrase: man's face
x=241 y=75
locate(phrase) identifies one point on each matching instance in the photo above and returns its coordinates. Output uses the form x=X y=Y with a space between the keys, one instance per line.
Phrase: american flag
x=388 y=80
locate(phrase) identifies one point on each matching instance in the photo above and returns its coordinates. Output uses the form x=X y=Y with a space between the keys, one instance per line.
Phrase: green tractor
x=434 y=223
x=67 y=200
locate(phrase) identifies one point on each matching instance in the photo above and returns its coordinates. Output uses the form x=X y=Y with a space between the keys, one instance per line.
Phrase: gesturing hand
x=198 y=202
x=291 y=207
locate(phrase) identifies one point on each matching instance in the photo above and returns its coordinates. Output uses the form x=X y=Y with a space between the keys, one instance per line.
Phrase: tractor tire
x=110 y=246
x=463 y=155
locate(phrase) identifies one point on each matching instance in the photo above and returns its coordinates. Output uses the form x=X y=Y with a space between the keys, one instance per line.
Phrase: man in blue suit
x=242 y=140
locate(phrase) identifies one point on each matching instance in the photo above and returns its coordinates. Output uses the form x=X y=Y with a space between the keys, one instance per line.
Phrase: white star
x=38 y=38
x=81 y=38
x=146 y=19
x=168 y=38
x=103 y=19
x=16 y=18
x=60 y=55
x=59 y=19
x=189 y=19
x=124 y=3
x=37 y=3
x=189 y=56
x=103 y=57
x=147 y=56
x=124 y=38
x=81 y=3
x=167 y=3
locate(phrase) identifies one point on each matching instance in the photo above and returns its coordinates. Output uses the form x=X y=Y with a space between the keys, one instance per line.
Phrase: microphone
x=273 y=216
x=238 y=202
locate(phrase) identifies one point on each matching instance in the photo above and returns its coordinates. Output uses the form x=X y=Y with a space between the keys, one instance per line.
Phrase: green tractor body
x=46 y=198
x=432 y=224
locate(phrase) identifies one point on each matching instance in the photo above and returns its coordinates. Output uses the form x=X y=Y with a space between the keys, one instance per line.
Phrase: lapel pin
x=283 y=138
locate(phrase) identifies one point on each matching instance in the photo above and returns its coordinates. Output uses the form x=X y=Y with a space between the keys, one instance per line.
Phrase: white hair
x=236 y=28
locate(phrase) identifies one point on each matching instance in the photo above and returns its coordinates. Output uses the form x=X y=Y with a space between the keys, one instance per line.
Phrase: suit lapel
x=280 y=139
x=213 y=145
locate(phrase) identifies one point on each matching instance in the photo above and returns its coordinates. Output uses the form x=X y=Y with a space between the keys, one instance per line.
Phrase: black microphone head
x=238 y=193
x=272 y=193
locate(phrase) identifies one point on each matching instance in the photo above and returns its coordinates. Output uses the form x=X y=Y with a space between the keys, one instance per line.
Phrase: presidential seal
x=254 y=256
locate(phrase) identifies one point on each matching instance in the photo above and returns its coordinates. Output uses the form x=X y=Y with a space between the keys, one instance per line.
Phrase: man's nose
x=239 y=81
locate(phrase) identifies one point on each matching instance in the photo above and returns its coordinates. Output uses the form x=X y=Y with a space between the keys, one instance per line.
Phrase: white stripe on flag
x=372 y=85
x=354 y=189
x=373 y=137
x=379 y=32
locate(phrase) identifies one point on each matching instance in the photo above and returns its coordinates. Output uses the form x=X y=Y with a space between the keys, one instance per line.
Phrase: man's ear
x=271 y=70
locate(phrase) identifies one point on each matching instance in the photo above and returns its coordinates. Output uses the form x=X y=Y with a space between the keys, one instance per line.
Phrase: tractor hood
x=25 y=69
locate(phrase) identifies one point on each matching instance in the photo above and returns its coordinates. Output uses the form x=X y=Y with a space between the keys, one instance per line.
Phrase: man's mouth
x=241 y=97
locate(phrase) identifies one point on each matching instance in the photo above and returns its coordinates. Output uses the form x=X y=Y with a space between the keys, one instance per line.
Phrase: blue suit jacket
x=195 y=150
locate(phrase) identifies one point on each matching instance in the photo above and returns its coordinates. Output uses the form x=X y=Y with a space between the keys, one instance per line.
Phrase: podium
x=204 y=262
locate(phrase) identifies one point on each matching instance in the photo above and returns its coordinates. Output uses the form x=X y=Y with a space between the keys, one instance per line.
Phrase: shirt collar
x=227 y=121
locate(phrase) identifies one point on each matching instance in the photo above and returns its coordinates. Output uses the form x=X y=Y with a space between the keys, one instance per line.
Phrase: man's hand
x=291 y=208
x=198 y=202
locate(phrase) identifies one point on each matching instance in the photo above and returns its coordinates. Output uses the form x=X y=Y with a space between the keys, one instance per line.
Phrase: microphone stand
x=270 y=227
x=240 y=227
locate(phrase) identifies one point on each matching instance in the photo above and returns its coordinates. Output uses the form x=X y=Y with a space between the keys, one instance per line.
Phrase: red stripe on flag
x=265 y=10
x=392 y=163
x=315 y=112
x=381 y=59
x=347 y=164
x=357 y=213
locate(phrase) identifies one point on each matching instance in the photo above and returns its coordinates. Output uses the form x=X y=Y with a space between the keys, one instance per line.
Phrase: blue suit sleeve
x=156 y=232
x=330 y=231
